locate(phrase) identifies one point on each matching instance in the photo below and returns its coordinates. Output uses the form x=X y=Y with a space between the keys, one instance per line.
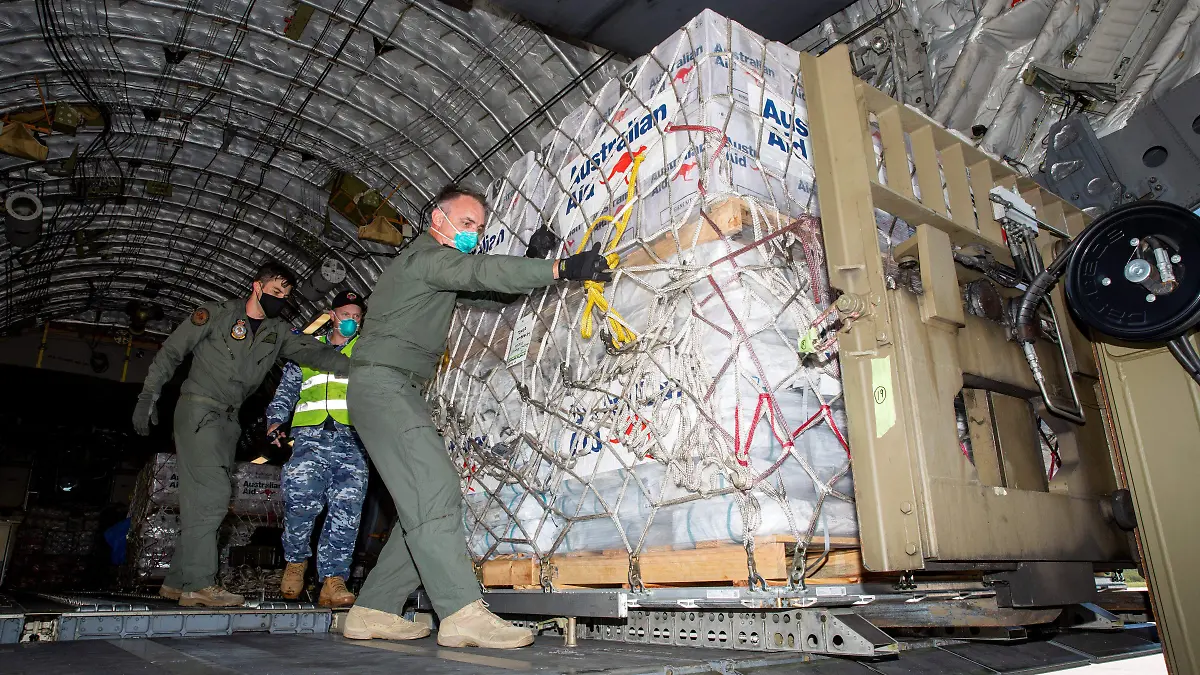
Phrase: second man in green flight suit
x=233 y=345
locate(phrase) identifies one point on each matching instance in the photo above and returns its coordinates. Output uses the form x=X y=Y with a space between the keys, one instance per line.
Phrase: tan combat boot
x=476 y=626
x=170 y=593
x=335 y=594
x=363 y=624
x=213 y=596
x=293 y=580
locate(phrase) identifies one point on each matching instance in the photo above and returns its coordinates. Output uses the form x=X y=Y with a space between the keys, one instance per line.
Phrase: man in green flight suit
x=402 y=341
x=233 y=345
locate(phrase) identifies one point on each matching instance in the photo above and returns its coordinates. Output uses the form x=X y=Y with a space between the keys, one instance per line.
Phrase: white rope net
x=696 y=397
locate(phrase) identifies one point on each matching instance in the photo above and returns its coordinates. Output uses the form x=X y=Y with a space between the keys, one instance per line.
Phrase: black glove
x=586 y=266
x=541 y=243
x=145 y=414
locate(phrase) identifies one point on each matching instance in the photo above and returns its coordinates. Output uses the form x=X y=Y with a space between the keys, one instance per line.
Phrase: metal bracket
x=907 y=582
x=812 y=631
x=635 y=575
x=755 y=579
x=1045 y=584
x=1089 y=616
x=1010 y=207
x=475 y=565
x=546 y=575
x=832 y=632
x=799 y=563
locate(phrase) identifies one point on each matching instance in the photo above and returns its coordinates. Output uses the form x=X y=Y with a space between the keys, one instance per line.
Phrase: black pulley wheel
x=1114 y=282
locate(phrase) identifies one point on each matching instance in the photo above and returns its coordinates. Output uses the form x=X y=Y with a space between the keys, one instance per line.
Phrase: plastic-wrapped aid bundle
x=614 y=431
x=256 y=499
x=694 y=398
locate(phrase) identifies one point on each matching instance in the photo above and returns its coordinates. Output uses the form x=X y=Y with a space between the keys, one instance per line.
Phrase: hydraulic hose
x=1183 y=351
x=1039 y=288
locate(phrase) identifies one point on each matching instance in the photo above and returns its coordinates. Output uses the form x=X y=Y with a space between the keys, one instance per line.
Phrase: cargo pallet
x=707 y=563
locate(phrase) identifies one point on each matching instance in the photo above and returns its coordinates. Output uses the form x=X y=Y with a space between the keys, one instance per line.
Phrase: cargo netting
x=696 y=397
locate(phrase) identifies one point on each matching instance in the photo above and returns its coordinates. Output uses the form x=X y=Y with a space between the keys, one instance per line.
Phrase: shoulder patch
x=295 y=331
x=200 y=316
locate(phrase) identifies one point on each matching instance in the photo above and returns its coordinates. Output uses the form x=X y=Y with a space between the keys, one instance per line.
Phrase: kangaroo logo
x=682 y=73
x=624 y=163
x=684 y=169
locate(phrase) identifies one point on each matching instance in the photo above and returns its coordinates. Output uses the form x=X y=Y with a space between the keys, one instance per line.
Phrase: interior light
x=316 y=324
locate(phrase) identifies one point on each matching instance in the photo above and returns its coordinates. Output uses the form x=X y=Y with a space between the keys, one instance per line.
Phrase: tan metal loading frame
x=1155 y=415
x=906 y=357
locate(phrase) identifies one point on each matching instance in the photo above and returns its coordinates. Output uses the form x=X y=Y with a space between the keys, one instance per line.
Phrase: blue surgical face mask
x=466 y=241
x=348 y=327
x=463 y=241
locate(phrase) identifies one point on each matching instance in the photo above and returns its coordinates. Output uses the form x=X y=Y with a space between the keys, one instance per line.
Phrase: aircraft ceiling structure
x=224 y=123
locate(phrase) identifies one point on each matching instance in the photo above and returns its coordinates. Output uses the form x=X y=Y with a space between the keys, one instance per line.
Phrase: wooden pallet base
x=1132 y=601
x=709 y=563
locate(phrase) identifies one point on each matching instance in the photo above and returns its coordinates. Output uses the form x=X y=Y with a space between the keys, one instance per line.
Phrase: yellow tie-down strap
x=622 y=334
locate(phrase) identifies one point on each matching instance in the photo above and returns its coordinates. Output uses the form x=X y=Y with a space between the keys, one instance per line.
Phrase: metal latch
x=1010 y=207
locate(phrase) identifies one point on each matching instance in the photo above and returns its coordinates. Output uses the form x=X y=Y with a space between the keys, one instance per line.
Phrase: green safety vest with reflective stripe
x=322 y=395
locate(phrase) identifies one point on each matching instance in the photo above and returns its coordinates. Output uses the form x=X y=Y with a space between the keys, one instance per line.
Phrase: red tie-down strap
x=472 y=469
x=705 y=129
x=701 y=128
x=766 y=399
x=635 y=426
x=742 y=457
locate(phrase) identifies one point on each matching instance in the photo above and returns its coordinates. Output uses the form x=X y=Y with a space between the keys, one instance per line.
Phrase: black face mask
x=271 y=305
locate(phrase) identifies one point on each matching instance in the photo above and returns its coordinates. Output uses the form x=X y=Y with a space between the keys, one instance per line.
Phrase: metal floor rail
x=65 y=618
x=263 y=654
x=657 y=632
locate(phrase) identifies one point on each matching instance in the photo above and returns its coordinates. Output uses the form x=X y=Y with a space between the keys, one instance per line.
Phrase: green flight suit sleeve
x=448 y=270
x=178 y=345
x=316 y=355
x=488 y=299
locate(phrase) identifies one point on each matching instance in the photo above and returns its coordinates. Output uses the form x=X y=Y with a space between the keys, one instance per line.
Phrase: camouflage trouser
x=327 y=467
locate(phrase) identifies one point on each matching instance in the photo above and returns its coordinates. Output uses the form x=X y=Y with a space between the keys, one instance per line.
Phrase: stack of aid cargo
x=256 y=501
x=696 y=397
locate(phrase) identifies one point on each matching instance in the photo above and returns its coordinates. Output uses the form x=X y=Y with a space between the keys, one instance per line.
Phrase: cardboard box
x=699 y=111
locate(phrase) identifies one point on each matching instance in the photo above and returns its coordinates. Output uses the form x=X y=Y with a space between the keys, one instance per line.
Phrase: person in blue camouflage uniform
x=328 y=466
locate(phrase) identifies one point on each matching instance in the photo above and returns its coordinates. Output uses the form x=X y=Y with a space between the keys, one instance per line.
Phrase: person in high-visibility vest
x=328 y=465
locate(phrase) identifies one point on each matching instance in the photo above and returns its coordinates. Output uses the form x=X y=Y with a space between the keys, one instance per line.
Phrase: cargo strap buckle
x=635 y=575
